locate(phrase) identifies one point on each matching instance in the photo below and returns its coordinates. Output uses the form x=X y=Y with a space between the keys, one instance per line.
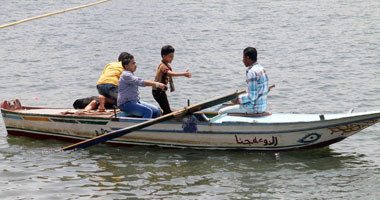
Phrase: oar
x=176 y=114
x=270 y=87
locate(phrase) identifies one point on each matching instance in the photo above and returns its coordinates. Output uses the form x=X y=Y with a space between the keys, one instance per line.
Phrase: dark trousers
x=162 y=100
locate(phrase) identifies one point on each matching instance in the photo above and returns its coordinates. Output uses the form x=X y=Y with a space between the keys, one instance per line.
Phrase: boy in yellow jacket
x=108 y=82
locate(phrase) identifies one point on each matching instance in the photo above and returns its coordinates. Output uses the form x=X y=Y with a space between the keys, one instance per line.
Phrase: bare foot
x=17 y=104
x=11 y=105
x=91 y=106
x=5 y=105
x=101 y=110
x=79 y=112
x=102 y=102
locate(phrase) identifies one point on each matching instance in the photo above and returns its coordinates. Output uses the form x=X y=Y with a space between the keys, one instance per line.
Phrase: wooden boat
x=202 y=130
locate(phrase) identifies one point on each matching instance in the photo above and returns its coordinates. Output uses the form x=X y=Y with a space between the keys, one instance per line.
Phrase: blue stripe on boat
x=12 y=116
x=250 y=132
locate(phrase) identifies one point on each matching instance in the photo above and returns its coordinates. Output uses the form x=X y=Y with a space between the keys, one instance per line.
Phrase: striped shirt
x=256 y=97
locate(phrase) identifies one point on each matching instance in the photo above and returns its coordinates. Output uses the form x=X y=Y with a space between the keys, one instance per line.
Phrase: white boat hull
x=273 y=132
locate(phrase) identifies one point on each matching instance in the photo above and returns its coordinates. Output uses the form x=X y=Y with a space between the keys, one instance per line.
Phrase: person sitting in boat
x=108 y=82
x=128 y=95
x=164 y=74
x=255 y=100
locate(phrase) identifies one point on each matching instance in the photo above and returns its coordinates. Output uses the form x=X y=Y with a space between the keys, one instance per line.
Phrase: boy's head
x=123 y=55
x=167 y=53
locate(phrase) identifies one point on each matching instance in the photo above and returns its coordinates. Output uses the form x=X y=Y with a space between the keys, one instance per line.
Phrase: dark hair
x=127 y=59
x=251 y=53
x=167 y=49
x=82 y=103
x=122 y=56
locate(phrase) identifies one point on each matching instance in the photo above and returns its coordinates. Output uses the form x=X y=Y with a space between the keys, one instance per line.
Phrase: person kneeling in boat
x=128 y=94
x=108 y=83
x=255 y=100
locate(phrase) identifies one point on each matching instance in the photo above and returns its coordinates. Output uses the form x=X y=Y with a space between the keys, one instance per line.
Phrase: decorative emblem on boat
x=352 y=128
x=189 y=124
x=309 y=138
x=101 y=132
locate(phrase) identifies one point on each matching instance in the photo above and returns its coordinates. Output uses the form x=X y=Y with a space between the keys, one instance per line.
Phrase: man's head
x=129 y=63
x=167 y=53
x=249 y=56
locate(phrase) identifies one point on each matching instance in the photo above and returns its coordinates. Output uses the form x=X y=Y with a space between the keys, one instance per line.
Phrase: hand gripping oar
x=230 y=103
x=175 y=114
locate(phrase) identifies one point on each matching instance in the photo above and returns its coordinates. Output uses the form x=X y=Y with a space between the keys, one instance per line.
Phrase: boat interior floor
x=200 y=116
x=64 y=111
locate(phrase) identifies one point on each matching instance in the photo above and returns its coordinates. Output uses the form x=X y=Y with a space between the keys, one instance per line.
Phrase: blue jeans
x=142 y=109
x=108 y=90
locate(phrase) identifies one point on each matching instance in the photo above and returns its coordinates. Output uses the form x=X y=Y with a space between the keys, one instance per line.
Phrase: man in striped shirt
x=255 y=100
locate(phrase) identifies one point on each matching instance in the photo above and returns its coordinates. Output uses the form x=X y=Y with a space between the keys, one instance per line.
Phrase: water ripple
x=322 y=56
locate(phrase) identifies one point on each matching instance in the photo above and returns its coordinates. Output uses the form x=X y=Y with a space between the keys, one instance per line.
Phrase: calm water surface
x=323 y=57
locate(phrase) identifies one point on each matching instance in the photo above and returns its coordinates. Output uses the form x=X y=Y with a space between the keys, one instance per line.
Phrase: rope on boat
x=53 y=13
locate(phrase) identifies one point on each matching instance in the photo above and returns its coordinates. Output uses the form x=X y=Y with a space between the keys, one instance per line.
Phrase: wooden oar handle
x=271 y=86
x=230 y=103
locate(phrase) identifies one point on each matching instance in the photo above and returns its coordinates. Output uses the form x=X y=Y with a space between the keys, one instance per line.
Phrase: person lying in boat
x=108 y=82
x=255 y=100
x=91 y=103
x=164 y=74
x=128 y=98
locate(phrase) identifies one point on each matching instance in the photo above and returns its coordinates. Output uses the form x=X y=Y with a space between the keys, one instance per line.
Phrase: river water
x=322 y=55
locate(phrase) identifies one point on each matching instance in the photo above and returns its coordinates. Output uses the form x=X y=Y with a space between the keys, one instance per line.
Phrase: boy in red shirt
x=164 y=74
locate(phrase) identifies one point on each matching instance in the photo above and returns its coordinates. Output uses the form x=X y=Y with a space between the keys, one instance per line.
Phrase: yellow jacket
x=111 y=74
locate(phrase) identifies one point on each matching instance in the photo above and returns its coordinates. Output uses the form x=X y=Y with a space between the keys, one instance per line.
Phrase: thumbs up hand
x=187 y=73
